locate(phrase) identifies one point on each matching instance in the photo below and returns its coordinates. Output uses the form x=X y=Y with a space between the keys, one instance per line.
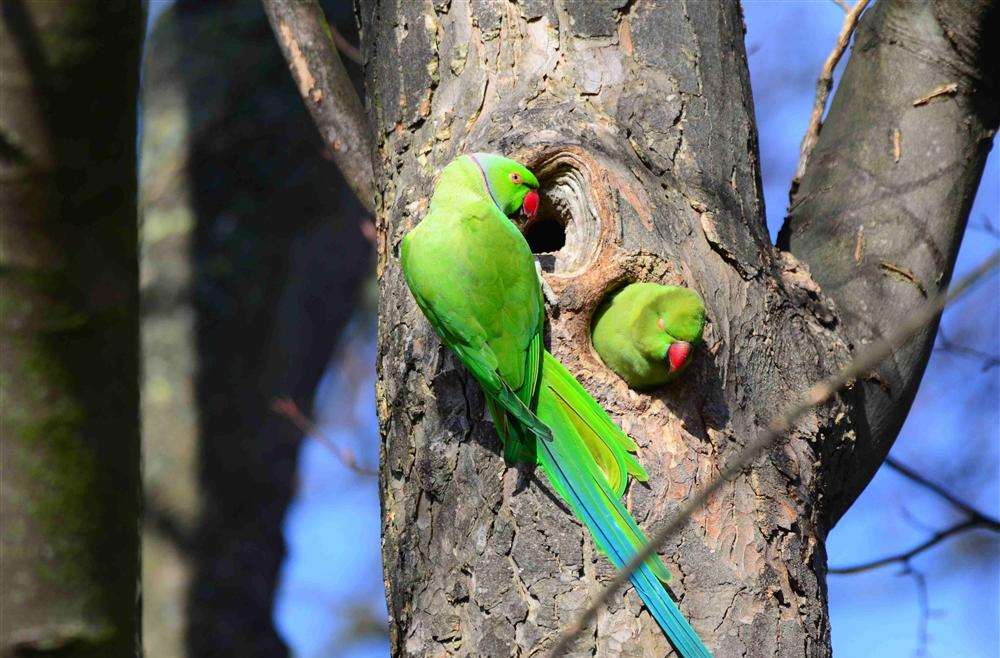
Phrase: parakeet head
x=680 y=318
x=510 y=183
x=647 y=331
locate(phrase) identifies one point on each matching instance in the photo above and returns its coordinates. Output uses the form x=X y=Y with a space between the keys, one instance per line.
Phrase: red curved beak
x=530 y=203
x=677 y=355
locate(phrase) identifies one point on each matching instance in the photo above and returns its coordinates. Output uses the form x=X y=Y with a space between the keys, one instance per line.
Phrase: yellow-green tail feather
x=597 y=440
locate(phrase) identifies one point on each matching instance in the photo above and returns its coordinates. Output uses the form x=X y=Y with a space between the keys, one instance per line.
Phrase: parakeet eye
x=661 y=324
x=515 y=178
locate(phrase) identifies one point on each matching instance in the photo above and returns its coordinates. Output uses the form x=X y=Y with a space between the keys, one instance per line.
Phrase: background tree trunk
x=253 y=258
x=69 y=364
x=638 y=118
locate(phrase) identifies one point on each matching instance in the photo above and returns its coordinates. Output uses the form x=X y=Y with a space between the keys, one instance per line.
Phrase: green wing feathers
x=610 y=447
x=502 y=350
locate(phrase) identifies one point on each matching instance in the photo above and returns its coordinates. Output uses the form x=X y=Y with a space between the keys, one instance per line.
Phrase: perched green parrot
x=473 y=276
x=646 y=331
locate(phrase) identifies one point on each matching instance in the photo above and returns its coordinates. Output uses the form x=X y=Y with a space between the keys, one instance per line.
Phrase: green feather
x=562 y=396
x=608 y=445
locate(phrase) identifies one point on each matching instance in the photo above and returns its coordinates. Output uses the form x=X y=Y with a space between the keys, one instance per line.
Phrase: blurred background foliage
x=257 y=285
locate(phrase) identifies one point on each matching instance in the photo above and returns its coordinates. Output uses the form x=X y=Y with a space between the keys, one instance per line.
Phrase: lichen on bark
x=69 y=321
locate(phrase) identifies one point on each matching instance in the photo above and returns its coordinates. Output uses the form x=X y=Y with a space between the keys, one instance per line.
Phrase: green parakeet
x=473 y=276
x=646 y=332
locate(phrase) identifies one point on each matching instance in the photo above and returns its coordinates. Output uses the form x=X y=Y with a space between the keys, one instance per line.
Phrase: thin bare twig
x=948 y=89
x=949 y=346
x=345 y=46
x=818 y=394
x=326 y=89
x=369 y=231
x=919 y=479
x=842 y=4
x=910 y=553
x=986 y=225
x=924 y=604
x=289 y=409
x=974 y=519
x=823 y=86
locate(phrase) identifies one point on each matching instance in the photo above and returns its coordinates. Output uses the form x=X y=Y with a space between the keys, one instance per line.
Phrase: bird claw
x=547 y=292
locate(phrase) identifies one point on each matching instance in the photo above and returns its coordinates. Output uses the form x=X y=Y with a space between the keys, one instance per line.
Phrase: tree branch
x=949 y=346
x=823 y=86
x=818 y=394
x=343 y=45
x=919 y=479
x=308 y=46
x=885 y=196
x=908 y=554
x=986 y=225
x=924 y=605
x=973 y=519
x=290 y=409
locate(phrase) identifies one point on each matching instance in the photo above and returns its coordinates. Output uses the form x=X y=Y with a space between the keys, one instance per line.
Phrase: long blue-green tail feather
x=579 y=481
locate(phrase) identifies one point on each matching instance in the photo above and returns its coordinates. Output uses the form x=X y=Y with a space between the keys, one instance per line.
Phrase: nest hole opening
x=564 y=233
x=545 y=235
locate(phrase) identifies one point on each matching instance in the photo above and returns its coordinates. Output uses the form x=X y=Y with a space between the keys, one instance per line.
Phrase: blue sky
x=951 y=435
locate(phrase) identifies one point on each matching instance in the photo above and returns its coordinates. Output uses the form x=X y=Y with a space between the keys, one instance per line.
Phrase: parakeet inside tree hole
x=473 y=276
x=647 y=331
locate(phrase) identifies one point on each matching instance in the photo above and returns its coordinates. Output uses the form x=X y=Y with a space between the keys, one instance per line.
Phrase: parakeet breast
x=472 y=261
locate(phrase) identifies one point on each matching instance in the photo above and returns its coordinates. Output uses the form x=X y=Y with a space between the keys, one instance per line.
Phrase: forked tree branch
x=974 y=519
x=308 y=45
x=885 y=195
x=820 y=393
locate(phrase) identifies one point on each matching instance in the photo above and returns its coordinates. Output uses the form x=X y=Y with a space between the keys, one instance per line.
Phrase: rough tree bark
x=638 y=118
x=69 y=308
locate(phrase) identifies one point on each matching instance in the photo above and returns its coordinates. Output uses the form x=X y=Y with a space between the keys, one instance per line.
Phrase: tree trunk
x=69 y=364
x=884 y=201
x=637 y=116
x=253 y=260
